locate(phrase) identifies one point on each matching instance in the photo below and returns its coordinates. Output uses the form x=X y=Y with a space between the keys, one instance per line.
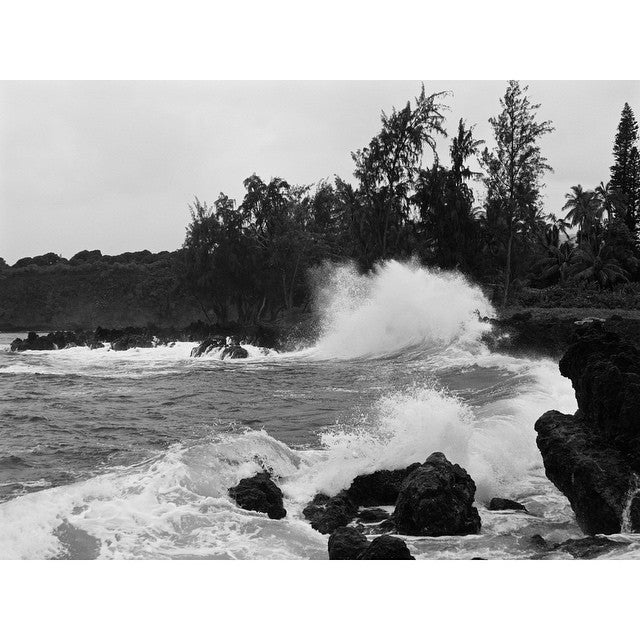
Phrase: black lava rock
x=436 y=499
x=372 y=515
x=346 y=543
x=259 y=493
x=380 y=487
x=327 y=514
x=386 y=548
x=504 y=504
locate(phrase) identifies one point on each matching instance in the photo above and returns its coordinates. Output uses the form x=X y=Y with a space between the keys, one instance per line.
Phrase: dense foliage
x=476 y=207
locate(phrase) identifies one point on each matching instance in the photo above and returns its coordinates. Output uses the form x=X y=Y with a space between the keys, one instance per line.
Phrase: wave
x=396 y=306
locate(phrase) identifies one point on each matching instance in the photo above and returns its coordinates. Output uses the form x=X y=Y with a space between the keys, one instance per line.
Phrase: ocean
x=129 y=455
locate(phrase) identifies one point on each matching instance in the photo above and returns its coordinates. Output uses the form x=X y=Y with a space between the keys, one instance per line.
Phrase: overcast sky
x=113 y=165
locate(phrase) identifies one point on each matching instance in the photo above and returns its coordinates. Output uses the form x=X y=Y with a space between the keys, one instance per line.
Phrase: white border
x=330 y=40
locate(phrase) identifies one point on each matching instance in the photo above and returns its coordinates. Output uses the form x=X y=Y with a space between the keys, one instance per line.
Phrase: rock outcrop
x=386 y=548
x=259 y=493
x=228 y=347
x=504 y=504
x=379 y=487
x=436 y=499
x=593 y=457
x=346 y=543
x=327 y=514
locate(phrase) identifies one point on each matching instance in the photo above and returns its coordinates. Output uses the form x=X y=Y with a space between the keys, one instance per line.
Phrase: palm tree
x=561 y=224
x=463 y=147
x=591 y=263
x=557 y=263
x=584 y=210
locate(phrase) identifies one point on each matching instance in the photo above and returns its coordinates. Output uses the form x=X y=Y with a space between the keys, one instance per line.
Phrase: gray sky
x=113 y=165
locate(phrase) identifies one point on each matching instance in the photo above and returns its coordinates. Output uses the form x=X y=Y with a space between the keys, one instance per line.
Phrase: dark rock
x=593 y=457
x=594 y=476
x=346 y=543
x=503 y=504
x=386 y=548
x=379 y=487
x=372 y=515
x=587 y=548
x=436 y=499
x=234 y=351
x=605 y=372
x=132 y=342
x=259 y=493
x=539 y=542
x=208 y=345
x=386 y=525
x=327 y=514
x=33 y=342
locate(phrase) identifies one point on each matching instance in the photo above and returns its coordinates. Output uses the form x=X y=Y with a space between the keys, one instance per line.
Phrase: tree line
x=445 y=198
x=410 y=198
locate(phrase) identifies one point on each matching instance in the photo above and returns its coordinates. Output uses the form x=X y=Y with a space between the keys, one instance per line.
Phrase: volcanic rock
x=386 y=548
x=259 y=493
x=380 y=487
x=346 y=543
x=327 y=514
x=436 y=499
x=504 y=504
x=593 y=457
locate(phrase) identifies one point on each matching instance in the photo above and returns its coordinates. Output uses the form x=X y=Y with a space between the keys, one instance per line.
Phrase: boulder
x=604 y=370
x=504 y=504
x=130 y=341
x=436 y=499
x=234 y=351
x=592 y=547
x=346 y=543
x=259 y=493
x=386 y=548
x=379 y=487
x=372 y=515
x=33 y=342
x=208 y=345
x=593 y=457
x=327 y=514
x=594 y=476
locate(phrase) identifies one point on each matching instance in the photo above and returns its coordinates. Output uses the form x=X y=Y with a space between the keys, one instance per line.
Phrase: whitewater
x=130 y=454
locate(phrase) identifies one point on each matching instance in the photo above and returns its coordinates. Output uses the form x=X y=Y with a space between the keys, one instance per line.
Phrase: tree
x=445 y=206
x=584 y=210
x=514 y=168
x=386 y=171
x=625 y=171
x=596 y=263
x=555 y=266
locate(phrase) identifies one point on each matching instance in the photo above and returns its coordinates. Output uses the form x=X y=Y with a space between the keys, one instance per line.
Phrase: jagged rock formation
x=433 y=499
x=436 y=499
x=259 y=493
x=593 y=457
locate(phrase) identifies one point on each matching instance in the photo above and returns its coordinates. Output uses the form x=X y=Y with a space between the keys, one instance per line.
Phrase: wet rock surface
x=386 y=548
x=593 y=457
x=436 y=499
x=504 y=504
x=327 y=514
x=259 y=493
x=346 y=543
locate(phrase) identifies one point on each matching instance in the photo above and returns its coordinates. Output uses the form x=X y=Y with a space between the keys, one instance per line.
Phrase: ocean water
x=108 y=454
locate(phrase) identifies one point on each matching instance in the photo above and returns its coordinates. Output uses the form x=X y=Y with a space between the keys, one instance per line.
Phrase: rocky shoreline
x=550 y=332
x=592 y=457
x=210 y=337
